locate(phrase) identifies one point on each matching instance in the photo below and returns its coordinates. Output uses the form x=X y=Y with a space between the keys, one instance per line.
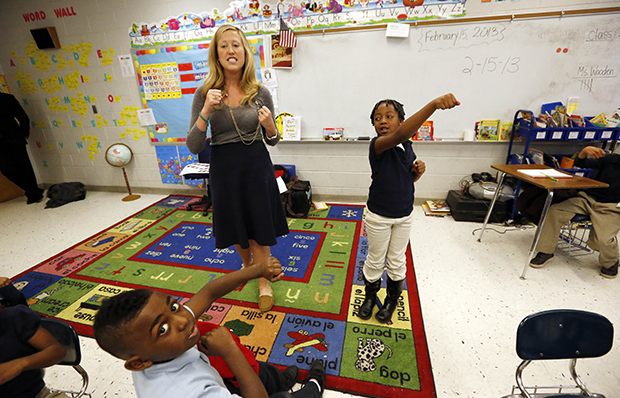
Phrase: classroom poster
x=171 y=159
x=281 y=57
x=185 y=158
x=168 y=163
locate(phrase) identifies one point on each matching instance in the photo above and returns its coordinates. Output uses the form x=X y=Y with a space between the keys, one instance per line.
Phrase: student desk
x=550 y=185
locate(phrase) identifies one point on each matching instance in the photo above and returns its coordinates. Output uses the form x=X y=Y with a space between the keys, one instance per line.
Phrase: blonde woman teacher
x=247 y=209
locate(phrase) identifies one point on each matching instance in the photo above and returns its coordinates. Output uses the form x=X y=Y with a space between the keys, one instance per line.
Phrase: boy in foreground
x=157 y=337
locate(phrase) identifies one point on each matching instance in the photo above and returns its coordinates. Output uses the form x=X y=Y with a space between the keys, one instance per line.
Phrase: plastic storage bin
x=529 y=131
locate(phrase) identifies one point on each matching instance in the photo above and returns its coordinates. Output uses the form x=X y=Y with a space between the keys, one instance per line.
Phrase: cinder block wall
x=341 y=169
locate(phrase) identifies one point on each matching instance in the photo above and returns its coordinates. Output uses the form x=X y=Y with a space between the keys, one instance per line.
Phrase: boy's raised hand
x=201 y=302
x=447 y=101
x=270 y=270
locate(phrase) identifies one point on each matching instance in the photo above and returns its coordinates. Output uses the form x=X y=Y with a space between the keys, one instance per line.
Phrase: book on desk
x=544 y=173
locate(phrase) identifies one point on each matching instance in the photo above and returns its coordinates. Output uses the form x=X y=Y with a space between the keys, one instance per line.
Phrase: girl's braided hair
x=400 y=109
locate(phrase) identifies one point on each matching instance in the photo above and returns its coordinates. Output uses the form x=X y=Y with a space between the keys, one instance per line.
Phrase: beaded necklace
x=256 y=133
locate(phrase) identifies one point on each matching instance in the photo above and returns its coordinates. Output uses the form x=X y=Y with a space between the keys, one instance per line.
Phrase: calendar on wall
x=161 y=81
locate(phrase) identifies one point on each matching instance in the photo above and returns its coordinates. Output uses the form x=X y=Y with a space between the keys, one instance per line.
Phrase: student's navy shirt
x=391 y=191
x=10 y=296
x=18 y=325
x=609 y=172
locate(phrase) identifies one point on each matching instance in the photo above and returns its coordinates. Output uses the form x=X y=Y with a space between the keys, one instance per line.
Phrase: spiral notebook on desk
x=544 y=173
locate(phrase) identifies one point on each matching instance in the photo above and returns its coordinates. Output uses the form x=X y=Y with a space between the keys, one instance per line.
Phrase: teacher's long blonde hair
x=215 y=79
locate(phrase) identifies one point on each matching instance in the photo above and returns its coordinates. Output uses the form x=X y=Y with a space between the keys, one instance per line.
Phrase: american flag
x=287 y=37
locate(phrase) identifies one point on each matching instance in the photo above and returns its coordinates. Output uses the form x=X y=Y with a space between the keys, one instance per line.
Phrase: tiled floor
x=471 y=296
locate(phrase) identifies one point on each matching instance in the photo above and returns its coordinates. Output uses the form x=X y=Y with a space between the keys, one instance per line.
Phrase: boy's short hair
x=398 y=107
x=114 y=315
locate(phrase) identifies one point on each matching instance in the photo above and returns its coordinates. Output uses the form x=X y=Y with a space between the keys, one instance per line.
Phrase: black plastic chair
x=68 y=338
x=561 y=334
x=203 y=157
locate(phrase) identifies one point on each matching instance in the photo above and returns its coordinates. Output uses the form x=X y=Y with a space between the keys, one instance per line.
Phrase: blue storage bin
x=291 y=169
x=579 y=172
x=608 y=133
x=556 y=133
x=539 y=134
x=574 y=133
x=591 y=132
x=547 y=108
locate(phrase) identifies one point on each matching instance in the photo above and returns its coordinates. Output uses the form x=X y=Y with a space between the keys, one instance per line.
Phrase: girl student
x=389 y=209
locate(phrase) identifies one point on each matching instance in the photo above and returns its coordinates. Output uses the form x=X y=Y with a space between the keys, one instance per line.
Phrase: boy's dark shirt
x=10 y=296
x=18 y=325
x=609 y=172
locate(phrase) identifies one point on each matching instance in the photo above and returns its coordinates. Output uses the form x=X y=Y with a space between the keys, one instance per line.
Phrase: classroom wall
x=68 y=146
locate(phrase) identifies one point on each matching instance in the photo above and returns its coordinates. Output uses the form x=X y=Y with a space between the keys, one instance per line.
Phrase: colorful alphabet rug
x=168 y=248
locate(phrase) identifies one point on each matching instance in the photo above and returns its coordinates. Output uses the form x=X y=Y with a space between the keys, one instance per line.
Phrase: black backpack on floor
x=297 y=199
x=60 y=194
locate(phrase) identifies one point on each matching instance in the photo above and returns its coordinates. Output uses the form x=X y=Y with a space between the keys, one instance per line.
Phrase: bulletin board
x=168 y=78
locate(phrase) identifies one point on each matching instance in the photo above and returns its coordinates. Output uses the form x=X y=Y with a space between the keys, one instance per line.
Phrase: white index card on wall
x=126 y=66
x=397 y=30
x=146 y=117
x=270 y=80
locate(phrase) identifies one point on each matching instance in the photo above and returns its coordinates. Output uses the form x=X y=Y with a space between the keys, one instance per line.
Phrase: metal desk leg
x=497 y=191
x=541 y=223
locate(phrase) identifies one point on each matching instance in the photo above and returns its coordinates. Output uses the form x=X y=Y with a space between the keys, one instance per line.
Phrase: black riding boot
x=394 y=288
x=365 y=311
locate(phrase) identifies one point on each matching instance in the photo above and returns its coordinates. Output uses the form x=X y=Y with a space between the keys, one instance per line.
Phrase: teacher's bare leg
x=256 y=254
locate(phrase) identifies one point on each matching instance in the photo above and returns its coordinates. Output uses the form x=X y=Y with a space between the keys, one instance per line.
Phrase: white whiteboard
x=493 y=68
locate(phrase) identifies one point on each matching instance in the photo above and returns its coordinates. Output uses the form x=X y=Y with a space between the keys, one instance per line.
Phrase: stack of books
x=436 y=208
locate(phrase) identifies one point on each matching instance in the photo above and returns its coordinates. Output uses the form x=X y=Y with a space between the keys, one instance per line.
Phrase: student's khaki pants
x=605 y=219
x=46 y=393
x=387 y=244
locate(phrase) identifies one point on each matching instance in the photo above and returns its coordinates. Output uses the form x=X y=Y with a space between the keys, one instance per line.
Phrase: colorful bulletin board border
x=168 y=78
x=4 y=87
x=255 y=17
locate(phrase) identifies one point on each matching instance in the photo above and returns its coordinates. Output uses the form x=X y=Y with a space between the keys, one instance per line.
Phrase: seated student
x=157 y=337
x=601 y=204
x=26 y=348
x=9 y=295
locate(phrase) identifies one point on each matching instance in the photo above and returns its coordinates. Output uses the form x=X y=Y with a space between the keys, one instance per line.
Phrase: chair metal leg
x=519 y=379
x=541 y=223
x=82 y=392
x=497 y=191
x=576 y=378
x=84 y=375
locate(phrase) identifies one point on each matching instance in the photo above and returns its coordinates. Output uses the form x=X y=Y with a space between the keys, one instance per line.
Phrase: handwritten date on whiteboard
x=452 y=37
x=488 y=65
